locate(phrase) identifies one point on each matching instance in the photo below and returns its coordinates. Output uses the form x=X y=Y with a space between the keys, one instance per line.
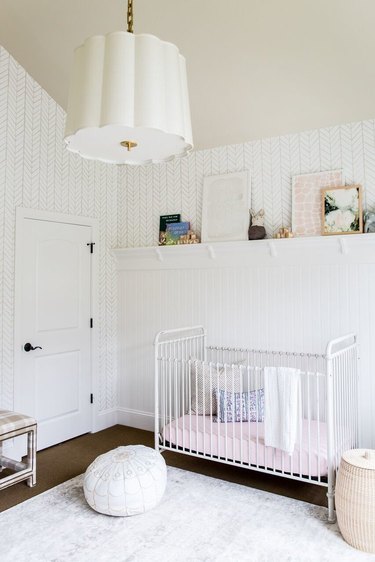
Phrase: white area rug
x=199 y=519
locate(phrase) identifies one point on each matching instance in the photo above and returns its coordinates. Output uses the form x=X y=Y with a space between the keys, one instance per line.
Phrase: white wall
x=302 y=306
x=289 y=307
x=36 y=171
x=294 y=302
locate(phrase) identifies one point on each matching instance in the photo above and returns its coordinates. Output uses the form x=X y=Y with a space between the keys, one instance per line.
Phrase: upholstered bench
x=12 y=425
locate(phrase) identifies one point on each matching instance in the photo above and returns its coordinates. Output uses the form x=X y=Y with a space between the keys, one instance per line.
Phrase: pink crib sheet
x=246 y=445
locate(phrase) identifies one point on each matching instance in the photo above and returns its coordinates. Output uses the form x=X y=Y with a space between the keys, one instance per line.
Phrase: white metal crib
x=189 y=376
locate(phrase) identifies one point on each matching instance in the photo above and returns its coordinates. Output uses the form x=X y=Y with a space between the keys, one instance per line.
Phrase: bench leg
x=31 y=482
x=31 y=457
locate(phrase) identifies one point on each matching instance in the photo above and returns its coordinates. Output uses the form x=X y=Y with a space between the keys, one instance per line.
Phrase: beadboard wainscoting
x=292 y=295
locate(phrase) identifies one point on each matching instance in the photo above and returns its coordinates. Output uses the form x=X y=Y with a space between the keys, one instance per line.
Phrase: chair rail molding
x=356 y=248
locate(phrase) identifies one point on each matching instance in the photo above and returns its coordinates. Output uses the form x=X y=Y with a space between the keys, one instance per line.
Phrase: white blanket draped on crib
x=282 y=407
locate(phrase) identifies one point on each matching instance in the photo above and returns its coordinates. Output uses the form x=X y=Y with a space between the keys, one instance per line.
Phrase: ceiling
x=256 y=68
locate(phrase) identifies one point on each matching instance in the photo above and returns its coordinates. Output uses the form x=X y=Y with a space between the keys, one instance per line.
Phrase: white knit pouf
x=126 y=481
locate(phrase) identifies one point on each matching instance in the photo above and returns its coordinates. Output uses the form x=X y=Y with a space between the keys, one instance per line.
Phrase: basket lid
x=363 y=458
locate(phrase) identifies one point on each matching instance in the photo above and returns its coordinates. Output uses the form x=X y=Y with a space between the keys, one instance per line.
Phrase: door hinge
x=91 y=244
x=91 y=398
x=91 y=323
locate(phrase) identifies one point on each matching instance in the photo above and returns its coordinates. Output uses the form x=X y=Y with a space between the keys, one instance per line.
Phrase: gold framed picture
x=342 y=210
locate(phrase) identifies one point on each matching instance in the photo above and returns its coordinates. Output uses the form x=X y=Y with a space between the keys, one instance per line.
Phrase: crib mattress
x=245 y=444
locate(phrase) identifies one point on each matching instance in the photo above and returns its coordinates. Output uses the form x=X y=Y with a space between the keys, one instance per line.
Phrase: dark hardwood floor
x=62 y=462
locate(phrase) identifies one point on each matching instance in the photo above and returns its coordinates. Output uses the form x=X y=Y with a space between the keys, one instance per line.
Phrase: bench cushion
x=12 y=421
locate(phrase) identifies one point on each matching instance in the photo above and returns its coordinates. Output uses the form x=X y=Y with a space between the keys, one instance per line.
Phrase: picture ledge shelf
x=354 y=248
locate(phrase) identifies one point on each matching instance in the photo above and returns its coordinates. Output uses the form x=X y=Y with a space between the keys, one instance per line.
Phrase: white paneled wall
x=294 y=306
x=36 y=171
x=297 y=307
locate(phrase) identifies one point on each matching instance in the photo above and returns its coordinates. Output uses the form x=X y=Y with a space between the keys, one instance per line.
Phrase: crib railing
x=208 y=403
x=342 y=405
x=189 y=423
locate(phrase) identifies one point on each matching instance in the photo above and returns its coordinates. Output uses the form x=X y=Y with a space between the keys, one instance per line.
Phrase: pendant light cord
x=130 y=18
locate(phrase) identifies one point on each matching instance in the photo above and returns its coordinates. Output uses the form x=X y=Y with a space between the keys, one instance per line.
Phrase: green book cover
x=164 y=221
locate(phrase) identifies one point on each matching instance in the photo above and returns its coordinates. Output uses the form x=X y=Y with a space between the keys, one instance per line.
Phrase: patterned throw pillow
x=205 y=380
x=240 y=406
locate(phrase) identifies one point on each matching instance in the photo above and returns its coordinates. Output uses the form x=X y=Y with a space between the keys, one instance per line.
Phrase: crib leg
x=331 y=505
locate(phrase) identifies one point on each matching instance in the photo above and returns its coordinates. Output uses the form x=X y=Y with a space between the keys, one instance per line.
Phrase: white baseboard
x=136 y=418
x=104 y=419
x=16 y=448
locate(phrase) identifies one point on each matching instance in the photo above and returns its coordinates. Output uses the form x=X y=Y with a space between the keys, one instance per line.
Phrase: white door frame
x=21 y=215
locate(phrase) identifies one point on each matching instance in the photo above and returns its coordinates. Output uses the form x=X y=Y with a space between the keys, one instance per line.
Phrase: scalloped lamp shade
x=128 y=89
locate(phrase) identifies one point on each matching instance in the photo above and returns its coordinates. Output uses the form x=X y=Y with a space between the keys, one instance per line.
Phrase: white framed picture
x=225 y=209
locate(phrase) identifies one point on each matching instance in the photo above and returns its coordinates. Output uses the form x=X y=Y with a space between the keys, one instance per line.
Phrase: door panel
x=58 y=287
x=57 y=385
x=55 y=310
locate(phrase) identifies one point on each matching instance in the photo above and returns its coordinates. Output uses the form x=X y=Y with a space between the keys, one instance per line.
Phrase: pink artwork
x=307 y=200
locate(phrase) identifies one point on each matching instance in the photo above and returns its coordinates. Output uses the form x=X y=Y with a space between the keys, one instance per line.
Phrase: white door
x=53 y=316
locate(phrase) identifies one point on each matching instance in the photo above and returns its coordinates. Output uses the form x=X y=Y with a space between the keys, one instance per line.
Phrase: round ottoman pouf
x=355 y=498
x=126 y=481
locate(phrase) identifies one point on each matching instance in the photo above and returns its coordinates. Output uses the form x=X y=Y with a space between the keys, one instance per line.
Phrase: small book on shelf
x=175 y=231
x=164 y=221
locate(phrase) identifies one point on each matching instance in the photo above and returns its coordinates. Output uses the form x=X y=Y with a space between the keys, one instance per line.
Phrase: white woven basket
x=355 y=499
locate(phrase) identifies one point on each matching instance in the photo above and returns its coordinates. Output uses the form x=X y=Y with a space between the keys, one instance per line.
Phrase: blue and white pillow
x=240 y=406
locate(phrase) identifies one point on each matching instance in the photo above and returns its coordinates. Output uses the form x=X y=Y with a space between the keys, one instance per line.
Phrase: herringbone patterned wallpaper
x=36 y=171
x=145 y=193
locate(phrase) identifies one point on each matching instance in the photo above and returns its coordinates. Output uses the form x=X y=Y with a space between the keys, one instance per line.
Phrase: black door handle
x=29 y=347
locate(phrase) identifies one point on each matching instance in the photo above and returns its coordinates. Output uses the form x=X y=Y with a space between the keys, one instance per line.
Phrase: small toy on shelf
x=256 y=228
x=189 y=238
x=369 y=222
x=284 y=233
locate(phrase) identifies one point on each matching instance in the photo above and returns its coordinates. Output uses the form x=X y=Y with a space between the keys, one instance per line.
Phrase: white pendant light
x=128 y=100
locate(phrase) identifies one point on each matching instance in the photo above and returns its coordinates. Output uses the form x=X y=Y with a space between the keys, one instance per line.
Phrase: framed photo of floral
x=342 y=210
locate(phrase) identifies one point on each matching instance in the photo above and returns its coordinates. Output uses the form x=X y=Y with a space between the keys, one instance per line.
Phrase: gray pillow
x=206 y=379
